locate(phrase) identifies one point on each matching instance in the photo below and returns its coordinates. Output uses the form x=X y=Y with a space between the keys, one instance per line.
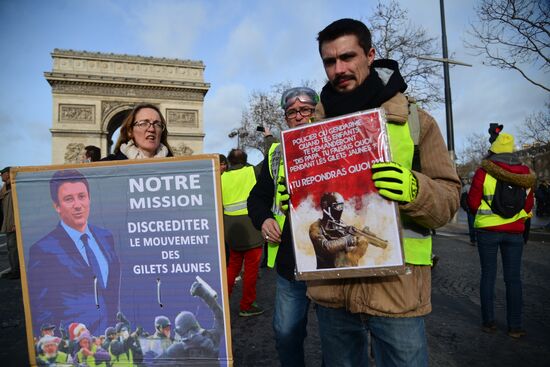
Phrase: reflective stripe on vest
x=60 y=358
x=485 y=216
x=417 y=246
x=236 y=186
x=276 y=170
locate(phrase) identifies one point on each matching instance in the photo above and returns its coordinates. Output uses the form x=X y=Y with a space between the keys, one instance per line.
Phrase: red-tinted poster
x=341 y=226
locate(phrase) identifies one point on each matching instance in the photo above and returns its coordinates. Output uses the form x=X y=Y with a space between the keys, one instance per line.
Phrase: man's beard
x=50 y=355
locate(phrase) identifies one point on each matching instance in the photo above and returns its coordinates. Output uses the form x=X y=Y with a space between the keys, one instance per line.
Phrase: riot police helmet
x=186 y=324
x=162 y=322
x=116 y=348
x=332 y=204
x=110 y=331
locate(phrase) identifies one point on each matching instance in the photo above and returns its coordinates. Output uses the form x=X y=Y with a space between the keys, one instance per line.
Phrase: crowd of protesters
x=389 y=322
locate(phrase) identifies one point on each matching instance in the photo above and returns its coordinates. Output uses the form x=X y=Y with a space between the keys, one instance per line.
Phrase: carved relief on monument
x=113 y=90
x=73 y=152
x=182 y=150
x=128 y=68
x=72 y=113
x=183 y=118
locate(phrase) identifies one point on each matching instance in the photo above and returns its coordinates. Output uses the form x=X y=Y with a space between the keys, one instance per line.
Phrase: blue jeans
x=471 y=229
x=511 y=250
x=290 y=321
x=395 y=341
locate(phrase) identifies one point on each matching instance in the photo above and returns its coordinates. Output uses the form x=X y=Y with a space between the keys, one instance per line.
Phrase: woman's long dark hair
x=127 y=133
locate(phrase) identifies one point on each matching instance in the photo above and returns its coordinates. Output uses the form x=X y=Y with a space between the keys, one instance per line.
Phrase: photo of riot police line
x=183 y=341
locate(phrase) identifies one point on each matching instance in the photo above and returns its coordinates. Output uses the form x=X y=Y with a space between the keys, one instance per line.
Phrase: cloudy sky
x=246 y=45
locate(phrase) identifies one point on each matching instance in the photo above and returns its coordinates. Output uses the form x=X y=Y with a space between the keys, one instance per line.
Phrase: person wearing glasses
x=268 y=214
x=143 y=134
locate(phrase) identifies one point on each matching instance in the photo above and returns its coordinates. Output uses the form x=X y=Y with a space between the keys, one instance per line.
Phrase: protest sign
x=131 y=252
x=341 y=226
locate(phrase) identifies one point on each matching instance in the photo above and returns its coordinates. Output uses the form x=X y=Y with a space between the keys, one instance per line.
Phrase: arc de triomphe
x=93 y=93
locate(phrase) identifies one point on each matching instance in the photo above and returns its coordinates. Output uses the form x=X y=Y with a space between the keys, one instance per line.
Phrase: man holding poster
x=421 y=179
x=267 y=206
x=80 y=255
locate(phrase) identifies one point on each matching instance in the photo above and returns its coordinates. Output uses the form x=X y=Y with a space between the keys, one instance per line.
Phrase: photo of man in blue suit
x=73 y=272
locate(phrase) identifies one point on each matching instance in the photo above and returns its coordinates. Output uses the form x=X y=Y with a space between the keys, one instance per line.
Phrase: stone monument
x=93 y=92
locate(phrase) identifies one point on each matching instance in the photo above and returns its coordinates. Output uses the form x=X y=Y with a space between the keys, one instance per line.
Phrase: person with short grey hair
x=268 y=206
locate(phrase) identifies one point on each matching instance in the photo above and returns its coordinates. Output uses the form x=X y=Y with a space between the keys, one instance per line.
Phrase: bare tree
x=475 y=149
x=536 y=128
x=396 y=37
x=513 y=35
x=264 y=110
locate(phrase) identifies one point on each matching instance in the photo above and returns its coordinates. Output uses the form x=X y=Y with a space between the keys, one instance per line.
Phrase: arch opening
x=113 y=129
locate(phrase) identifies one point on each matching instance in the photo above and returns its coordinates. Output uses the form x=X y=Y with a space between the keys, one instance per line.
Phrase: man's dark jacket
x=61 y=284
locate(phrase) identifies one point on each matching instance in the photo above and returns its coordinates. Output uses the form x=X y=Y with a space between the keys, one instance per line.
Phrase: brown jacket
x=437 y=201
x=8 y=224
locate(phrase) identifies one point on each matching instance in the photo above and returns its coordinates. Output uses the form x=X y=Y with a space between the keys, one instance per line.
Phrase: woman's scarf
x=131 y=151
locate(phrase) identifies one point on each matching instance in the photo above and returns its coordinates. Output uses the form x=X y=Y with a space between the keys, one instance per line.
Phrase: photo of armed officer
x=336 y=244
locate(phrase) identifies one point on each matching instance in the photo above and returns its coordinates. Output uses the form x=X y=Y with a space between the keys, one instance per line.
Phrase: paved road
x=453 y=328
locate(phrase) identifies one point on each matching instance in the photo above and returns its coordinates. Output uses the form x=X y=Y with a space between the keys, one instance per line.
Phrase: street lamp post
x=447 y=82
x=240 y=133
x=448 y=99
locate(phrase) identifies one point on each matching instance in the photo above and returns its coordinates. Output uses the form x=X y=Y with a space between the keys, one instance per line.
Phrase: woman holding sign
x=143 y=135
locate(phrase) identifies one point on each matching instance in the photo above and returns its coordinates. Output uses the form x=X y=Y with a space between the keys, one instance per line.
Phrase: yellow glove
x=284 y=196
x=394 y=182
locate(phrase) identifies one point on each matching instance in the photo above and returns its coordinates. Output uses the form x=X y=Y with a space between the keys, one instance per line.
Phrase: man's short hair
x=64 y=176
x=237 y=156
x=93 y=152
x=343 y=27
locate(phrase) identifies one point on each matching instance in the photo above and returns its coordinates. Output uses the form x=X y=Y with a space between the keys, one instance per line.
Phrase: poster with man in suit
x=108 y=247
x=80 y=254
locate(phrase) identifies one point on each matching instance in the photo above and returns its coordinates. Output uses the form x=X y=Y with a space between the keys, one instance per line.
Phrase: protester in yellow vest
x=267 y=205
x=421 y=180
x=49 y=353
x=502 y=231
x=89 y=354
x=245 y=242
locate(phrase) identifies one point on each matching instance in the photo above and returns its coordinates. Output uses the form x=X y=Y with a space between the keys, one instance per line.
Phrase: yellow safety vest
x=61 y=359
x=125 y=359
x=485 y=216
x=90 y=361
x=276 y=170
x=236 y=186
x=417 y=240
